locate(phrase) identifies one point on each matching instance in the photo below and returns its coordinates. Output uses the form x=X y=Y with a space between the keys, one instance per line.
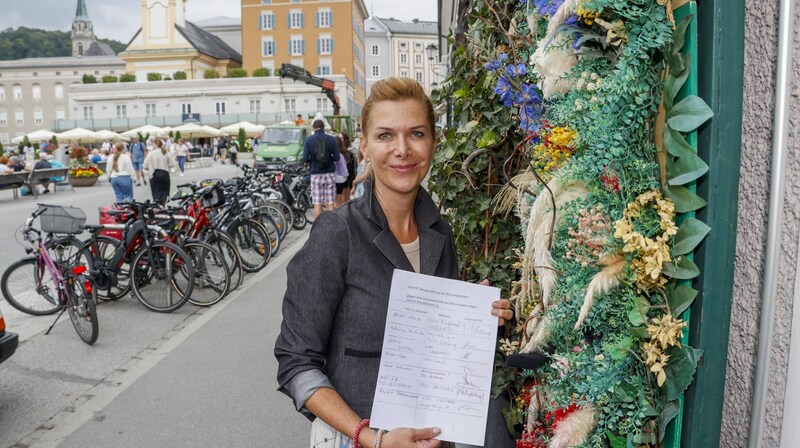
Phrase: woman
x=159 y=164
x=182 y=155
x=120 y=170
x=342 y=173
x=337 y=294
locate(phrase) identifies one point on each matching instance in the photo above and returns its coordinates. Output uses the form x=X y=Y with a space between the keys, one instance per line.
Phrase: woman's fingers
x=502 y=309
x=409 y=437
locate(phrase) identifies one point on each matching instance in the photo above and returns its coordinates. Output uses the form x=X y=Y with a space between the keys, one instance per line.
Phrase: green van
x=280 y=143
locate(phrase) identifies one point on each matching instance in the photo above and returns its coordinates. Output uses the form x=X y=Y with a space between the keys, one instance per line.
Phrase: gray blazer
x=334 y=310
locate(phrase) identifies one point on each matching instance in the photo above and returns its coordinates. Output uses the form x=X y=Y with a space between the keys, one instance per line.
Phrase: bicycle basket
x=58 y=219
x=212 y=197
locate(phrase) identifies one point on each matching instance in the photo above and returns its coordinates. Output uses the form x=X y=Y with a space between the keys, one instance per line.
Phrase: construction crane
x=296 y=73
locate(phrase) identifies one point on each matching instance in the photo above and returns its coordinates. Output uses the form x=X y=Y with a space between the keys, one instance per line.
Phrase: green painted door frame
x=720 y=47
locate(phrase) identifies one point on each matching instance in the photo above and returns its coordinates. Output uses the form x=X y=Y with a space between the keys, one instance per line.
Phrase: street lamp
x=431 y=51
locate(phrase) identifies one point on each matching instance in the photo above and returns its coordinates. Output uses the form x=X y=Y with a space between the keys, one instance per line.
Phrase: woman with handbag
x=341 y=175
x=337 y=295
x=120 y=171
x=159 y=164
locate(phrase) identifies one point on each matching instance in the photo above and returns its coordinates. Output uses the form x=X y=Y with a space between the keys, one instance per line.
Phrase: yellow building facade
x=167 y=43
x=326 y=37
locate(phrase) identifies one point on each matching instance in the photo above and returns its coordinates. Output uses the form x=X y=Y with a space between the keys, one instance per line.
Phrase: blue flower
x=516 y=70
x=528 y=95
x=497 y=63
x=505 y=91
x=548 y=7
x=571 y=20
x=529 y=118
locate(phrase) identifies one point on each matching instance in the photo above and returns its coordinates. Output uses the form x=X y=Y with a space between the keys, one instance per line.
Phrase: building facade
x=398 y=48
x=218 y=102
x=34 y=92
x=168 y=43
x=326 y=37
x=228 y=29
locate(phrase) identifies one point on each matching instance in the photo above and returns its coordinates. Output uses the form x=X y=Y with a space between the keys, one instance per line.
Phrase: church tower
x=82 y=31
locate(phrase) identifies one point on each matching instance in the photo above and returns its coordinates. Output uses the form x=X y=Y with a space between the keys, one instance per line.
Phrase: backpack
x=322 y=157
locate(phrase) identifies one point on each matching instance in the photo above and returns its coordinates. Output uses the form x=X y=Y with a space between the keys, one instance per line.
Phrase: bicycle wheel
x=82 y=310
x=273 y=230
x=211 y=274
x=102 y=253
x=253 y=243
x=288 y=214
x=28 y=286
x=225 y=244
x=299 y=219
x=69 y=251
x=277 y=217
x=156 y=278
x=308 y=207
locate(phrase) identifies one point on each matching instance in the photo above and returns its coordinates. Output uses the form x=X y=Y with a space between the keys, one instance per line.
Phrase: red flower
x=610 y=179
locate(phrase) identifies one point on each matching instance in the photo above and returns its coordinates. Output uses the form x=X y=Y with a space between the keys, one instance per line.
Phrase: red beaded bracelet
x=361 y=425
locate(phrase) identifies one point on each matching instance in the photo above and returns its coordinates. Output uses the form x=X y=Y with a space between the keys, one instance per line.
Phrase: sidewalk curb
x=92 y=401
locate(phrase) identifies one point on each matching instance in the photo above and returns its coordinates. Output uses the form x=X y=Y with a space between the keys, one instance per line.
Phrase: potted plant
x=82 y=172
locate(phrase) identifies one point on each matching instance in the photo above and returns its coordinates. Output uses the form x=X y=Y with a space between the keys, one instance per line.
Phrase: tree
x=177 y=135
x=167 y=78
x=26 y=142
x=171 y=134
x=26 y=42
x=1 y=147
x=179 y=75
x=153 y=76
x=262 y=72
x=242 y=137
x=54 y=141
x=127 y=77
x=109 y=78
x=89 y=79
x=237 y=73
x=211 y=74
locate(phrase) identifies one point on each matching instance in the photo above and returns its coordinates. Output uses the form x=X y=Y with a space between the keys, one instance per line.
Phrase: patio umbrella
x=35 y=136
x=111 y=135
x=216 y=132
x=250 y=129
x=79 y=135
x=146 y=129
x=192 y=130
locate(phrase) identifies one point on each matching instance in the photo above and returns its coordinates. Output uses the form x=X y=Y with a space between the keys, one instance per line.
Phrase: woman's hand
x=501 y=308
x=411 y=438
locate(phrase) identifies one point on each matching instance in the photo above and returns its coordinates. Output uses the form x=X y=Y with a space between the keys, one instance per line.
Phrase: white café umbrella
x=146 y=129
x=250 y=129
x=35 y=136
x=192 y=130
x=79 y=135
x=111 y=135
x=213 y=131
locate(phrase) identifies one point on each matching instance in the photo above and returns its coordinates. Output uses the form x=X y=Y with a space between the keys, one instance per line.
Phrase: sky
x=120 y=19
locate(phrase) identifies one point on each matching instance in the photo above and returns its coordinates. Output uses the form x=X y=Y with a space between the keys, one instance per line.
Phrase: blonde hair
x=119 y=147
x=160 y=144
x=397 y=89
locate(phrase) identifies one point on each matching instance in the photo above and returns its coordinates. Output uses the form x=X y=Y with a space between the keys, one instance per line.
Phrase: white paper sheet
x=437 y=358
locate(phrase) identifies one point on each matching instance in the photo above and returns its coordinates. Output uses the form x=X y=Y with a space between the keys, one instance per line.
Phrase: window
x=18 y=93
x=404 y=73
x=122 y=111
x=325 y=45
x=297 y=46
x=403 y=58
x=418 y=45
x=418 y=58
x=418 y=77
x=3 y=117
x=186 y=108
x=37 y=117
x=266 y=2
x=59 y=91
x=376 y=71
x=296 y=20
x=2 y=94
x=37 y=92
x=323 y=105
x=88 y=112
x=266 y=21
x=4 y=138
x=19 y=117
x=324 y=68
x=376 y=50
x=267 y=47
x=403 y=45
x=60 y=114
x=255 y=106
x=290 y=106
x=324 y=19
x=296 y=1
x=220 y=107
x=150 y=110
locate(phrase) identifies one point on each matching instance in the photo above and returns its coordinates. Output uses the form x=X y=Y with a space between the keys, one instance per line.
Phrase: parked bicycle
x=39 y=285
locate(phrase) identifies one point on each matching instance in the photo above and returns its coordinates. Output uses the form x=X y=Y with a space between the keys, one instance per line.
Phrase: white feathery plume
x=603 y=282
x=575 y=428
x=564 y=11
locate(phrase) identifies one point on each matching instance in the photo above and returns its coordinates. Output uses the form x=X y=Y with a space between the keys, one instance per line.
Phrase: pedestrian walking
x=182 y=154
x=337 y=295
x=138 y=152
x=322 y=152
x=159 y=164
x=121 y=170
